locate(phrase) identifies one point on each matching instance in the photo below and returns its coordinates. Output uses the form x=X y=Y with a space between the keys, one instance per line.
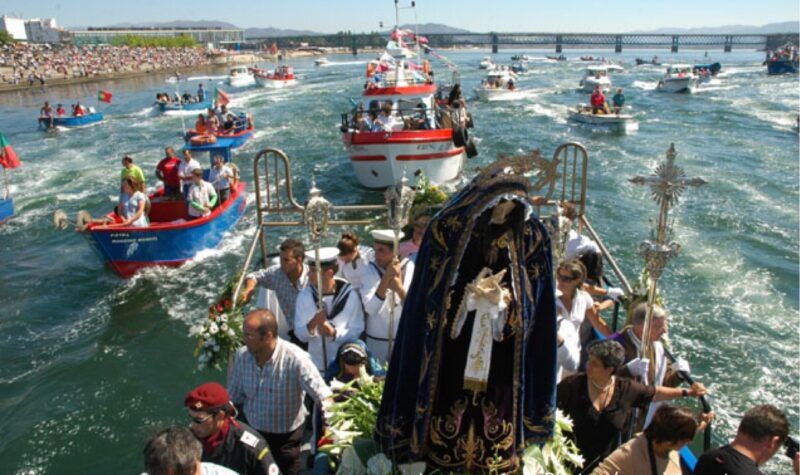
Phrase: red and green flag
x=8 y=157
x=104 y=96
x=220 y=96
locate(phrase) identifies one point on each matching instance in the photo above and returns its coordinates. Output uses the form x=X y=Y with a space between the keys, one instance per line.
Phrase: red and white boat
x=282 y=76
x=418 y=137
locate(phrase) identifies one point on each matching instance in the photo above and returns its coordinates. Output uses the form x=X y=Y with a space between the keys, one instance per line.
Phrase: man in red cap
x=226 y=441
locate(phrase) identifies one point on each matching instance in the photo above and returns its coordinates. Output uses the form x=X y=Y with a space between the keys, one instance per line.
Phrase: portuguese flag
x=104 y=96
x=8 y=157
x=220 y=96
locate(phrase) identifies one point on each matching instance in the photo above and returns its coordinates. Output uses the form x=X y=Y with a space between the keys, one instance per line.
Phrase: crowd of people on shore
x=27 y=63
x=279 y=382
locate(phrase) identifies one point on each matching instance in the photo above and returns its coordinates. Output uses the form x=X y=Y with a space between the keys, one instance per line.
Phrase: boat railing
x=275 y=197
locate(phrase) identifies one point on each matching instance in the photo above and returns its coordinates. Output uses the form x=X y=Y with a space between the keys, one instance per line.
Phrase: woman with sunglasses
x=575 y=305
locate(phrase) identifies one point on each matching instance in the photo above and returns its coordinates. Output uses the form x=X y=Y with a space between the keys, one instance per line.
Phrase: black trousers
x=285 y=449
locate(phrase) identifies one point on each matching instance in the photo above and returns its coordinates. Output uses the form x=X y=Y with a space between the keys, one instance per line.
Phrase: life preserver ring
x=205 y=139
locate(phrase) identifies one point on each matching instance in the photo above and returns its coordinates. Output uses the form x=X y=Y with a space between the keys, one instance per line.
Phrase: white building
x=43 y=31
x=14 y=26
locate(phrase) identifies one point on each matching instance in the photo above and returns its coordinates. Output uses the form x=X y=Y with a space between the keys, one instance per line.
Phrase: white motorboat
x=499 y=82
x=321 y=61
x=598 y=75
x=678 y=78
x=487 y=63
x=282 y=76
x=582 y=113
x=240 y=76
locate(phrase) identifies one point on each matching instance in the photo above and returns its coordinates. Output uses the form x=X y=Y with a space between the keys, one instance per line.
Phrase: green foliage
x=180 y=41
x=559 y=456
x=6 y=38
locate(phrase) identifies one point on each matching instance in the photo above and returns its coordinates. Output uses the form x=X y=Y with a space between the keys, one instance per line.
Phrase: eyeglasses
x=201 y=420
x=565 y=278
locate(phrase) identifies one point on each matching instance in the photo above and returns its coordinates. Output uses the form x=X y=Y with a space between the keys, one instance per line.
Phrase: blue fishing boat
x=782 y=66
x=242 y=132
x=72 y=121
x=6 y=209
x=184 y=106
x=171 y=239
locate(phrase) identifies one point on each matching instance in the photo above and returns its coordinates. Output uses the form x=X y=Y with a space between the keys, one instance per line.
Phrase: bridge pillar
x=728 y=43
x=558 y=44
x=674 y=48
x=495 y=43
x=353 y=44
x=618 y=44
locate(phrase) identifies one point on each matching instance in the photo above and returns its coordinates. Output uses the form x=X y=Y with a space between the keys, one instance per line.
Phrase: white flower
x=224 y=327
x=206 y=336
x=213 y=329
x=195 y=330
x=231 y=333
x=223 y=318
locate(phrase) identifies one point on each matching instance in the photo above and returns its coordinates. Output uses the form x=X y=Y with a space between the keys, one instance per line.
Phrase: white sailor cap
x=385 y=236
x=327 y=256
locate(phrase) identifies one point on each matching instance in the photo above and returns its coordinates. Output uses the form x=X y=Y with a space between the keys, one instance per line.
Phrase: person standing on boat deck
x=176 y=451
x=341 y=319
x=167 y=172
x=220 y=176
x=185 y=170
x=410 y=247
x=132 y=205
x=598 y=100
x=77 y=110
x=618 y=101
x=202 y=197
x=226 y=441
x=600 y=403
x=383 y=288
x=201 y=93
x=655 y=450
x=129 y=170
x=269 y=380
x=46 y=113
x=655 y=366
x=761 y=433
x=353 y=259
x=286 y=279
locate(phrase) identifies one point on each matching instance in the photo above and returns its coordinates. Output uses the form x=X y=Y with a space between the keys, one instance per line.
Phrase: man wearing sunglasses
x=226 y=441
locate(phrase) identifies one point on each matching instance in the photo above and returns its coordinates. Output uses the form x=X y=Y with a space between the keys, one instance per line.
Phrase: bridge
x=559 y=41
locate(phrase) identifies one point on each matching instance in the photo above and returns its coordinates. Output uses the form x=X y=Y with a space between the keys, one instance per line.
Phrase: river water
x=90 y=364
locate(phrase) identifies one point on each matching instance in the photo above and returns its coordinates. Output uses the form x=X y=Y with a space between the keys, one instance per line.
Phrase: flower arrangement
x=354 y=416
x=219 y=335
x=559 y=456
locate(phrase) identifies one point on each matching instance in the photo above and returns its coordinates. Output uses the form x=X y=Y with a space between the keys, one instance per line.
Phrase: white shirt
x=353 y=271
x=569 y=353
x=219 y=177
x=379 y=310
x=349 y=322
x=202 y=193
x=580 y=304
x=185 y=170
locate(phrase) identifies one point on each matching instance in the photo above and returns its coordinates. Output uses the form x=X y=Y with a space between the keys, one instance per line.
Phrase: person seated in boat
x=200 y=127
x=455 y=95
x=212 y=122
x=221 y=176
x=223 y=113
x=618 y=101
x=361 y=123
x=186 y=98
x=202 y=197
x=60 y=112
x=229 y=126
x=186 y=169
x=133 y=204
x=511 y=85
x=176 y=98
x=167 y=172
x=598 y=100
x=419 y=119
x=129 y=170
x=78 y=110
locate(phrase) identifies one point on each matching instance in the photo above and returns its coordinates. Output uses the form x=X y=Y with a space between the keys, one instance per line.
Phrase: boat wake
x=645 y=85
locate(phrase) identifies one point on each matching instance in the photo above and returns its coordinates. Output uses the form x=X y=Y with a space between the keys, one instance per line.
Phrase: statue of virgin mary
x=472 y=376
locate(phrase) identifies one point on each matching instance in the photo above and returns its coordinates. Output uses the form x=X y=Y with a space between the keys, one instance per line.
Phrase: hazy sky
x=474 y=15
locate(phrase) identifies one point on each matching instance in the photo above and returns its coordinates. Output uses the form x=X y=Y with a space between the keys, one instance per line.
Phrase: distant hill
x=782 y=27
x=270 y=32
x=434 y=28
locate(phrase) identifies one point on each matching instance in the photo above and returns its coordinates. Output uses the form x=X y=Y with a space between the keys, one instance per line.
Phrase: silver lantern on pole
x=399 y=199
x=316 y=215
x=666 y=186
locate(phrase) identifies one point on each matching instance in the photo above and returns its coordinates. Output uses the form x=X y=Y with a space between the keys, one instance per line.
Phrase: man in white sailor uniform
x=384 y=285
x=340 y=320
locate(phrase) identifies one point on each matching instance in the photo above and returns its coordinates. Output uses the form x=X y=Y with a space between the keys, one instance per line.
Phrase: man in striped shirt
x=268 y=382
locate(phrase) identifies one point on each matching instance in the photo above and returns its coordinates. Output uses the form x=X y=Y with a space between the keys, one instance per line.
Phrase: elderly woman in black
x=600 y=403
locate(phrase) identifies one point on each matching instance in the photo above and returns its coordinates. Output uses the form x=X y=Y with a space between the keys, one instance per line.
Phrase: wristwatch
x=684 y=392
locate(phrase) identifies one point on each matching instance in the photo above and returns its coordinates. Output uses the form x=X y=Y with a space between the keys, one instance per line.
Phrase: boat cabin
x=679 y=70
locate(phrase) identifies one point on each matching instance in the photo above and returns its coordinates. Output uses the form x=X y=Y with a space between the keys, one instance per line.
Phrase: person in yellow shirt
x=129 y=170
